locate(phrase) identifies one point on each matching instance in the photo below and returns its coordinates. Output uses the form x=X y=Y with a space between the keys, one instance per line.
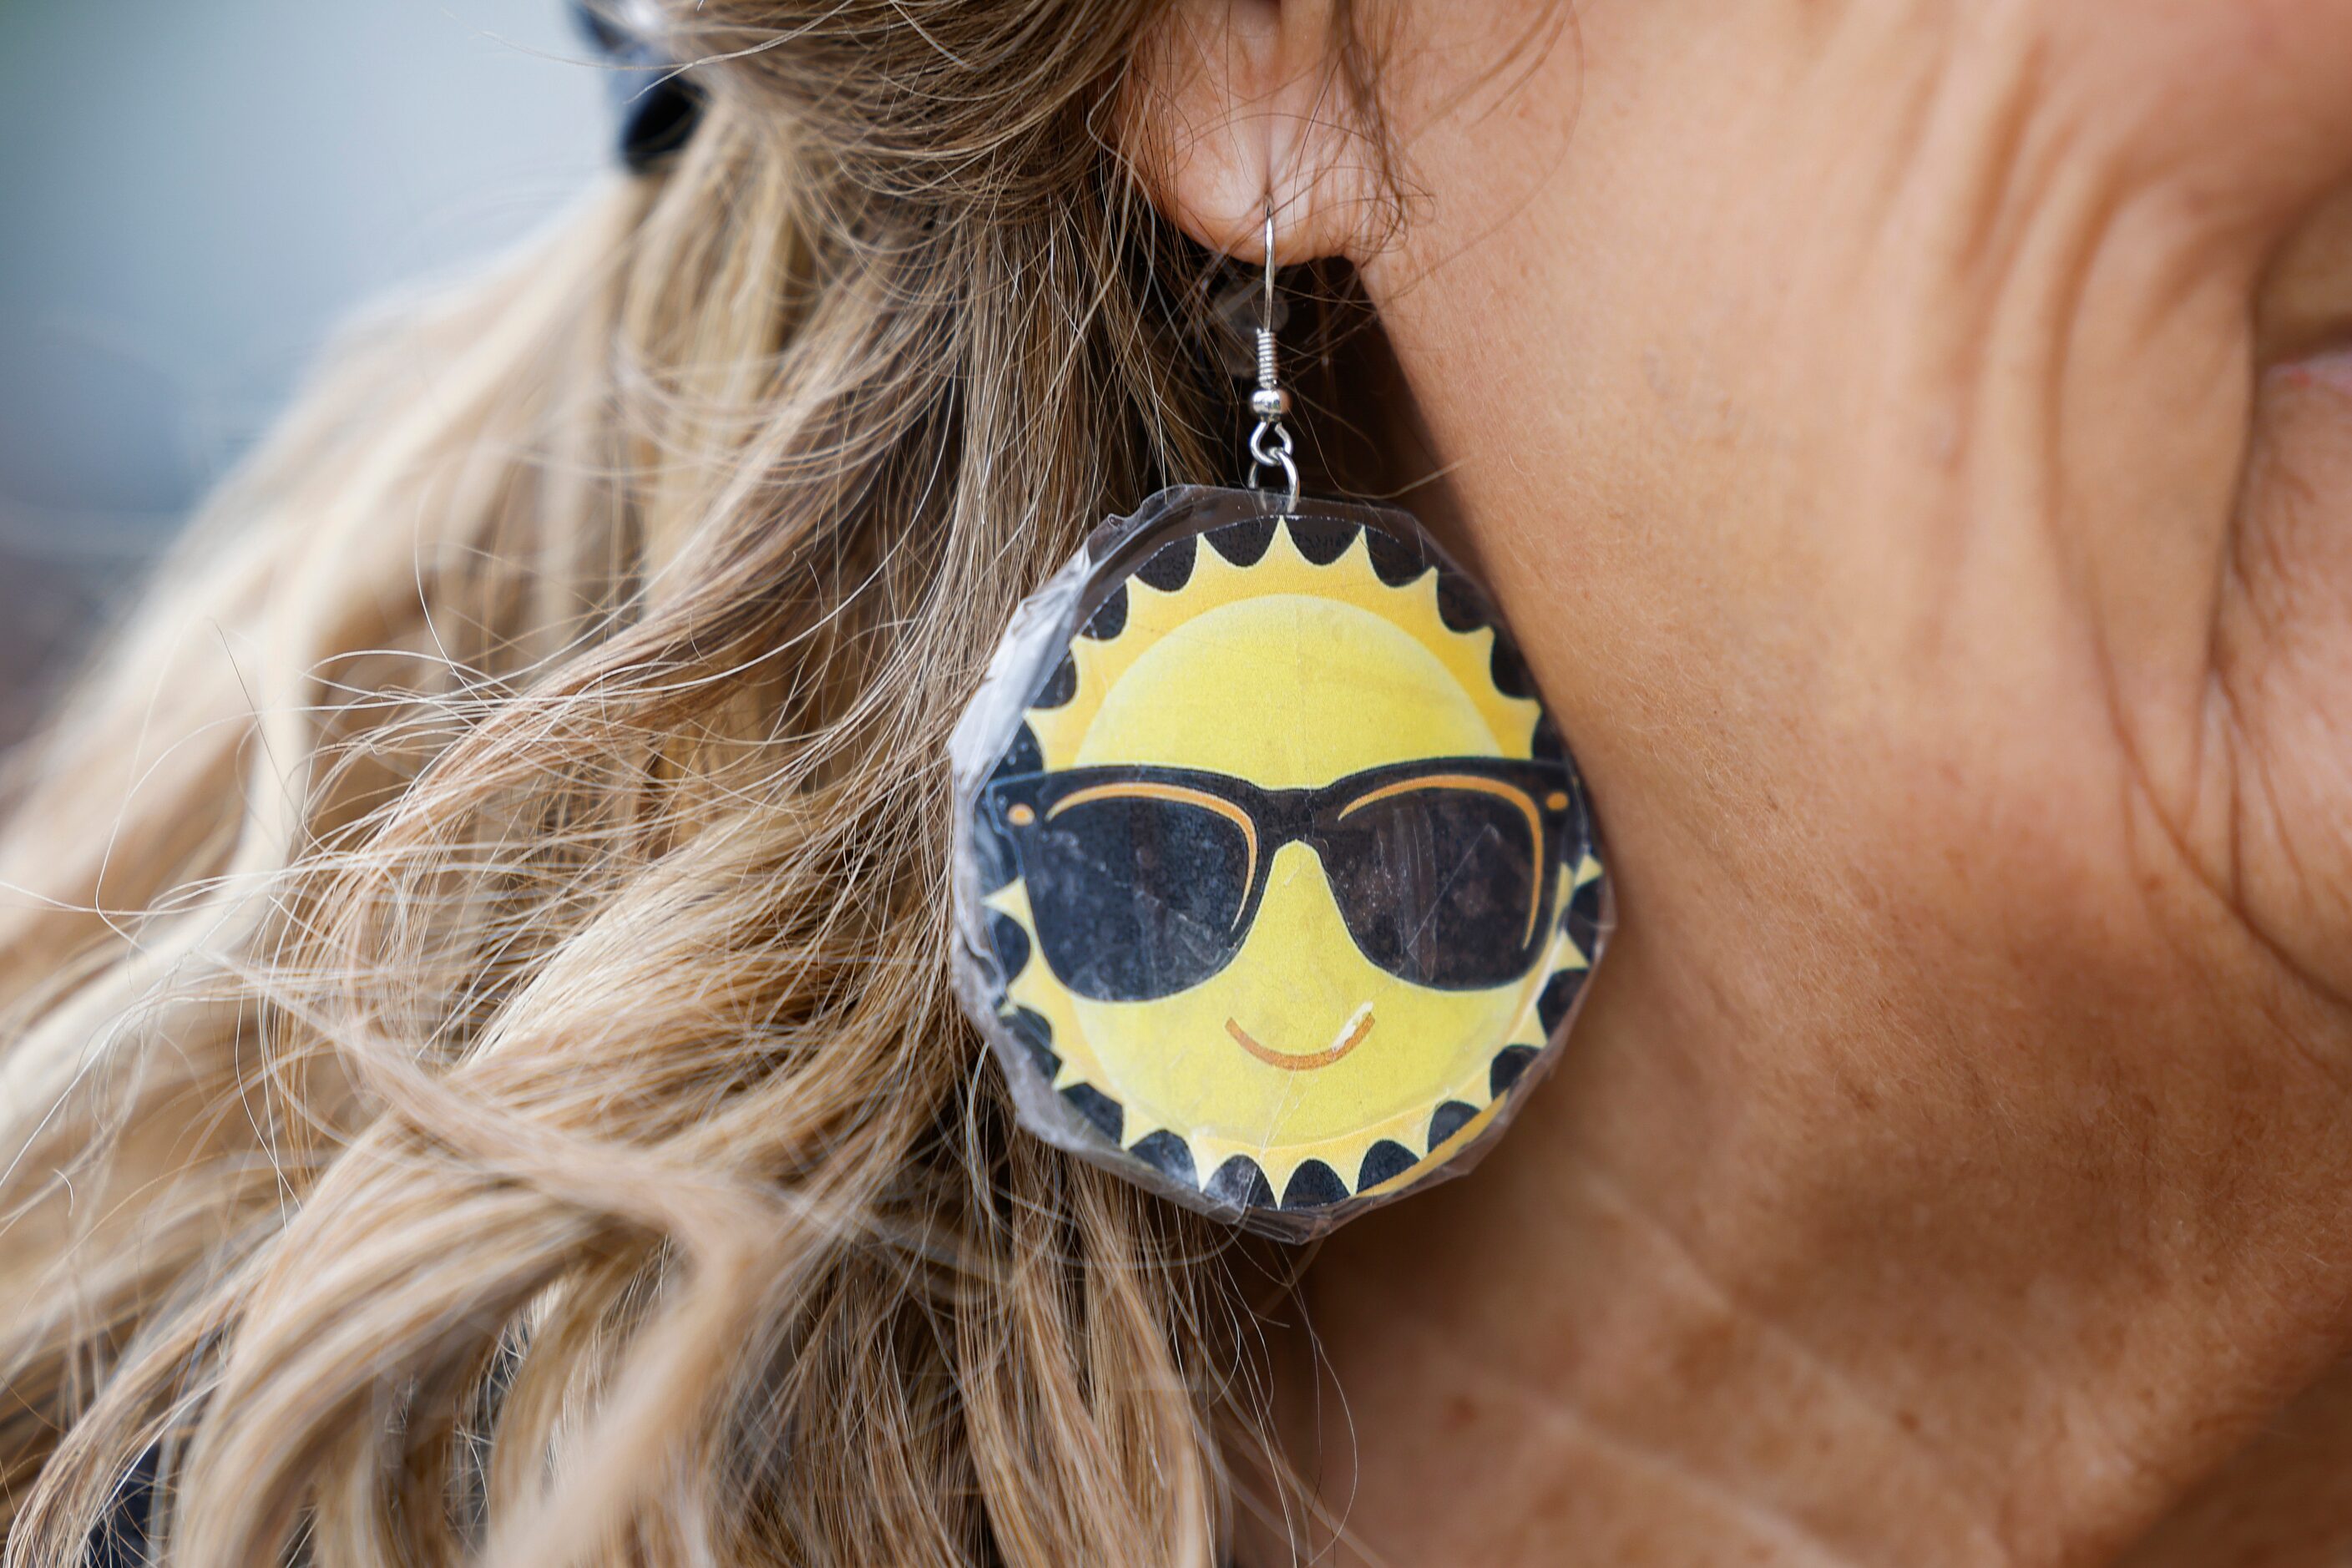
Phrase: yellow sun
x=1299 y=1060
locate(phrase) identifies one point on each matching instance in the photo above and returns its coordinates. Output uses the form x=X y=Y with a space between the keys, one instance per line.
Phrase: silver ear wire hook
x=1270 y=444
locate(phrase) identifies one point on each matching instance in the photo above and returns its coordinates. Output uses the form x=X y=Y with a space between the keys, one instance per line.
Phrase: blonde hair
x=479 y=1079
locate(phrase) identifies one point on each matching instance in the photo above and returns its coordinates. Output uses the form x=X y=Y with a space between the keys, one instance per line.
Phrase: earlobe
x=1233 y=104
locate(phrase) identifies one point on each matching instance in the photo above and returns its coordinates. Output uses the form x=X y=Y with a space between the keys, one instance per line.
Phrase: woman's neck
x=1676 y=1318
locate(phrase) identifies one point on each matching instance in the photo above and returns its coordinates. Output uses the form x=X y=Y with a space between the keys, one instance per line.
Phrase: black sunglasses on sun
x=1143 y=881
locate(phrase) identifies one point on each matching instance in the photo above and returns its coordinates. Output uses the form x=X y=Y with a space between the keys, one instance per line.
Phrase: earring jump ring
x=1274 y=456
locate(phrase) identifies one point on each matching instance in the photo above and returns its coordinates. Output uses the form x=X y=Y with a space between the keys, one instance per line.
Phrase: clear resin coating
x=1277 y=885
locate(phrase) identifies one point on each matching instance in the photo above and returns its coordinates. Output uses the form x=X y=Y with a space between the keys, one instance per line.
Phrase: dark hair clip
x=658 y=101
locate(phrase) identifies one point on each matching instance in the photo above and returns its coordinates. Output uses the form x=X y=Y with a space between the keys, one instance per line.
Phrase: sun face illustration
x=1295 y=874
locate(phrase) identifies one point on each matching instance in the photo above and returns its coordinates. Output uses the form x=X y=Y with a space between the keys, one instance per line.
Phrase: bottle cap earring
x=1277 y=886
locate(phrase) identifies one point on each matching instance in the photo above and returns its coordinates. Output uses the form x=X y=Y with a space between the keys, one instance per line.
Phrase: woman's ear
x=1232 y=104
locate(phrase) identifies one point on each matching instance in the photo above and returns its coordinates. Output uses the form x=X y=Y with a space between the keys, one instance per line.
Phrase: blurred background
x=191 y=196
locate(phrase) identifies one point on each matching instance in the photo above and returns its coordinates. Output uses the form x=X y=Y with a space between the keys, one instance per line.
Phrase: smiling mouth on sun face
x=1351 y=1035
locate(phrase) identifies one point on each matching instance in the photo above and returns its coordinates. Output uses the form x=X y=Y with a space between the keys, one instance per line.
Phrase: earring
x=658 y=100
x=1277 y=886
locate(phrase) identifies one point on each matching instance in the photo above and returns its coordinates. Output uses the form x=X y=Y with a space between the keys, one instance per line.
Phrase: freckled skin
x=1912 y=442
